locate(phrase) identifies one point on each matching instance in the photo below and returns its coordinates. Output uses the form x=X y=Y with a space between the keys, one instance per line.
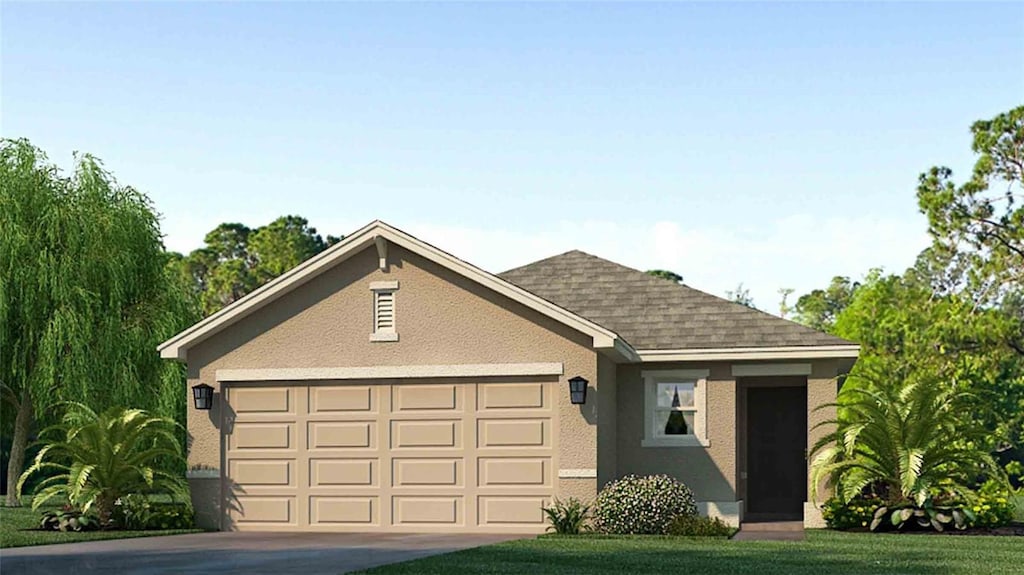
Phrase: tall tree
x=905 y=328
x=86 y=294
x=820 y=308
x=236 y=259
x=666 y=275
x=978 y=227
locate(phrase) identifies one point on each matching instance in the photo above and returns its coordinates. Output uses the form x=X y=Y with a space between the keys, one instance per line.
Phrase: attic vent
x=384 y=311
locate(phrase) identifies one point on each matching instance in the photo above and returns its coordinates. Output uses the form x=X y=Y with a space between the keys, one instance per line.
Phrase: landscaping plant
x=99 y=459
x=568 y=517
x=853 y=514
x=700 y=526
x=642 y=505
x=904 y=443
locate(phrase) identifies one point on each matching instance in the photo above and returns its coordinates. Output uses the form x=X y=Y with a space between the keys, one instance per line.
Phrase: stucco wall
x=607 y=418
x=714 y=473
x=709 y=471
x=441 y=318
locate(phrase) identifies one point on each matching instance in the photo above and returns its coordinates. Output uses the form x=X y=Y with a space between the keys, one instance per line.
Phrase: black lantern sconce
x=203 y=396
x=578 y=390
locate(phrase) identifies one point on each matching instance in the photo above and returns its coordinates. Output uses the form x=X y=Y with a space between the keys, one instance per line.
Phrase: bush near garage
x=647 y=505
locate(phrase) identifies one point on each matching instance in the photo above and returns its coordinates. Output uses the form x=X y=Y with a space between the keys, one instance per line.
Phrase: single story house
x=385 y=385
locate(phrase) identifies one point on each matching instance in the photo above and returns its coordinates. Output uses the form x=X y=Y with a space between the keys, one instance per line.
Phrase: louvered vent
x=384 y=312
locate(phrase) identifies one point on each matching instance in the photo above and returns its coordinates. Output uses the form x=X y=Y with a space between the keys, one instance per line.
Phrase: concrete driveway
x=271 y=553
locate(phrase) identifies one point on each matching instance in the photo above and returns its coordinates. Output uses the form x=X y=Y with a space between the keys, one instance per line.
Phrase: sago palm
x=901 y=439
x=99 y=458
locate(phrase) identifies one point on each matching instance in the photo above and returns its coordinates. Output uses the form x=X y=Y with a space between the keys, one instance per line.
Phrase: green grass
x=823 y=552
x=18 y=529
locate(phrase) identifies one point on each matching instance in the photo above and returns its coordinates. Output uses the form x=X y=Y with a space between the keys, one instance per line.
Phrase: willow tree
x=86 y=294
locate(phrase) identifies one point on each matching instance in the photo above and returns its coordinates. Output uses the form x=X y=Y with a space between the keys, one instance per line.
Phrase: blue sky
x=771 y=144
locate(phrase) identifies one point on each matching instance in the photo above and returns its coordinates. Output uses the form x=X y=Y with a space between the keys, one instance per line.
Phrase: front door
x=776 y=453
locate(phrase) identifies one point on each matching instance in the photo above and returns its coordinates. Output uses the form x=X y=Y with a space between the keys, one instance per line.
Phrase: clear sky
x=771 y=144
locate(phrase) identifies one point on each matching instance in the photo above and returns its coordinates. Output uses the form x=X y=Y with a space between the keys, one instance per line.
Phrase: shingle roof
x=655 y=313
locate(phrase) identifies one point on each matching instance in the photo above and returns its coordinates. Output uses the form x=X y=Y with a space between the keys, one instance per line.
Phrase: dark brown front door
x=776 y=453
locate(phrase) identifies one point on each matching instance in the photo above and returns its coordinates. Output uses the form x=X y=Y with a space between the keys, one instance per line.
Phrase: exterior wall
x=607 y=420
x=709 y=471
x=822 y=389
x=715 y=473
x=441 y=318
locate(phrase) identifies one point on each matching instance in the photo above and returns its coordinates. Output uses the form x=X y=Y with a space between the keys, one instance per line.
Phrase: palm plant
x=100 y=458
x=902 y=440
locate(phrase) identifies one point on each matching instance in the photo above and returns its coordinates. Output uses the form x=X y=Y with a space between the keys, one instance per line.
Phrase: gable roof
x=371 y=234
x=655 y=314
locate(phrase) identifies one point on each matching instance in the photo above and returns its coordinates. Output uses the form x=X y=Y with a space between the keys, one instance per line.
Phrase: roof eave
x=751 y=353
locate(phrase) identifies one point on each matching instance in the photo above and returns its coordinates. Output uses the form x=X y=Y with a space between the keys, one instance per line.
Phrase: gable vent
x=384 y=311
x=385 y=314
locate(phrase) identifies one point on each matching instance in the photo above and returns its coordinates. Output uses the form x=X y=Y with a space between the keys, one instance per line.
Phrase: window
x=675 y=406
x=384 y=311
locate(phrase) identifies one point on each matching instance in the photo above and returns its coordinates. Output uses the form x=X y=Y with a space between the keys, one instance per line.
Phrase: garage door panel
x=362 y=511
x=263 y=472
x=511 y=396
x=535 y=433
x=445 y=472
x=419 y=434
x=344 y=472
x=262 y=400
x=343 y=400
x=508 y=510
x=427 y=511
x=342 y=435
x=262 y=436
x=514 y=471
x=423 y=397
x=265 y=510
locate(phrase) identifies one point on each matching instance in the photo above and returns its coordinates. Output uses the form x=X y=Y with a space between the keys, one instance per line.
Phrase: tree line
x=87 y=291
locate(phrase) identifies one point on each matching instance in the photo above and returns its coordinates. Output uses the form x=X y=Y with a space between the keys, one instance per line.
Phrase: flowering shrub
x=853 y=514
x=641 y=505
x=993 y=506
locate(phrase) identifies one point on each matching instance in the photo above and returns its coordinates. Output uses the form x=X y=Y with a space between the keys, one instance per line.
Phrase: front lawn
x=18 y=524
x=824 y=552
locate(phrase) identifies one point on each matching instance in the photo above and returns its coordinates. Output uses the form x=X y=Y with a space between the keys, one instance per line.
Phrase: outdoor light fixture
x=203 y=396
x=578 y=390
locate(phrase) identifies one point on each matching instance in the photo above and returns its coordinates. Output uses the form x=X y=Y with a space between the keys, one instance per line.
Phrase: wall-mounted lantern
x=203 y=396
x=578 y=390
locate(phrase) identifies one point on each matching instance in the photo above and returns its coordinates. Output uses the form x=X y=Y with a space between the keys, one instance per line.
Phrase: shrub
x=993 y=507
x=853 y=514
x=101 y=458
x=137 y=512
x=67 y=520
x=913 y=517
x=901 y=438
x=700 y=526
x=642 y=505
x=567 y=517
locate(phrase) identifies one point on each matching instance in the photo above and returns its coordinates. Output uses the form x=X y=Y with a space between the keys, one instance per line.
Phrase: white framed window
x=384 y=317
x=675 y=408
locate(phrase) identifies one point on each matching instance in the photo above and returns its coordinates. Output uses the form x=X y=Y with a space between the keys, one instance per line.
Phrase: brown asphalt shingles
x=654 y=313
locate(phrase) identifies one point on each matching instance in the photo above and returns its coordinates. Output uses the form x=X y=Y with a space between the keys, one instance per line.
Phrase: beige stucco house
x=385 y=385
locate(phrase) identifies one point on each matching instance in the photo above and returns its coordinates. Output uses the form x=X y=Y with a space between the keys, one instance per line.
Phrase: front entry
x=776 y=453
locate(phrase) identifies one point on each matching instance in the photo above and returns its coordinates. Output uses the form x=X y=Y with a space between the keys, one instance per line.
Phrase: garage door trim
x=391 y=372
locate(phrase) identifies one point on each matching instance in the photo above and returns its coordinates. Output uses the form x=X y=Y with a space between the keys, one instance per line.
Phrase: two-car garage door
x=408 y=455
